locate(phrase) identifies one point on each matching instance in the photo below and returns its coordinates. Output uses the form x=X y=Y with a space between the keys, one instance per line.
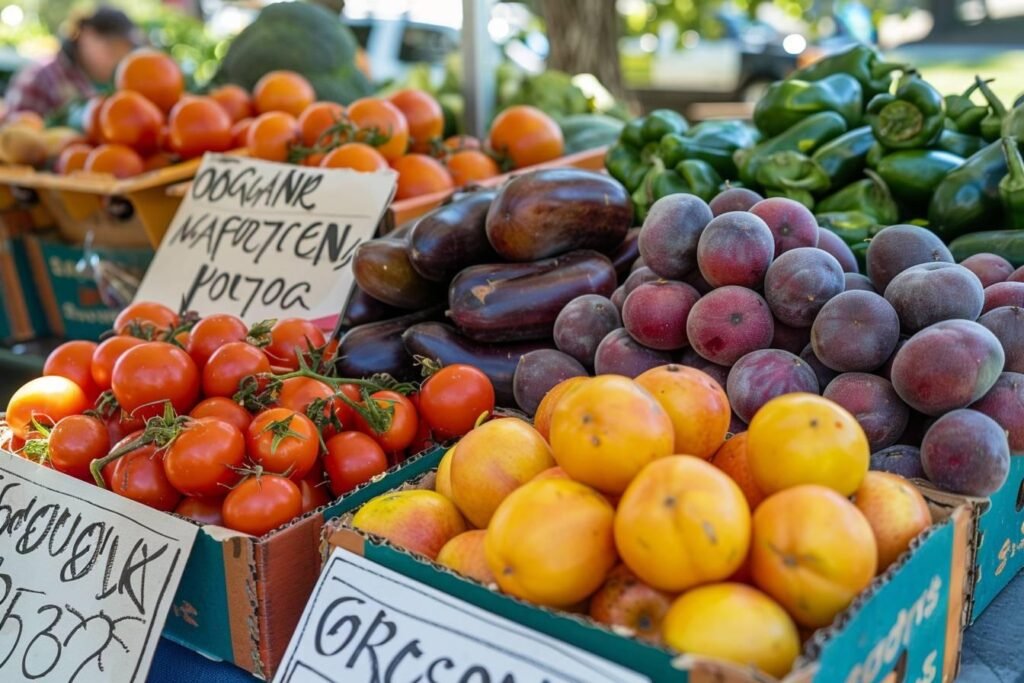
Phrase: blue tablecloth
x=173 y=664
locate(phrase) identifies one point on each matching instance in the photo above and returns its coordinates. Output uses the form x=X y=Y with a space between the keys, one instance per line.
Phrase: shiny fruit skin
x=735 y=623
x=419 y=174
x=806 y=439
x=271 y=135
x=148 y=375
x=47 y=400
x=443 y=478
x=229 y=365
x=813 y=551
x=358 y=156
x=75 y=442
x=526 y=136
x=352 y=459
x=73 y=360
x=625 y=601
x=696 y=404
x=464 y=554
x=198 y=125
x=146 y=317
x=896 y=511
x=542 y=418
x=416 y=520
x=470 y=166
x=380 y=121
x=205 y=458
x=282 y=91
x=423 y=114
x=152 y=74
x=696 y=513
x=213 y=332
x=595 y=445
x=316 y=119
x=234 y=100
x=106 y=354
x=128 y=118
x=731 y=457
x=139 y=476
x=119 y=161
x=258 y=505
x=454 y=398
x=225 y=410
x=551 y=542
x=72 y=158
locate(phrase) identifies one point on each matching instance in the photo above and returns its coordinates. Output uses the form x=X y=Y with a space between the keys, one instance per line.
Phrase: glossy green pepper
x=725 y=132
x=968 y=198
x=992 y=124
x=844 y=157
x=690 y=175
x=962 y=114
x=870 y=196
x=913 y=174
x=1013 y=124
x=1011 y=187
x=802 y=196
x=804 y=137
x=701 y=178
x=851 y=226
x=787 y=102
x=960 y=144
x=911 y=118
x=863 y=62
x=660 y=123
x=711 y=141
x=625 y=164
x=875 y=155
x=791 y=171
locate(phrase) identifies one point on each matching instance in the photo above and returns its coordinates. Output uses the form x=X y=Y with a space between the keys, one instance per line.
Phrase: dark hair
x=107 y=22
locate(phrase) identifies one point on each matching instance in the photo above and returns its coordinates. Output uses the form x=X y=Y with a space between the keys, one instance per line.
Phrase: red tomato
x=314 y=492
x=127 y=118
x=343 y=411
x=121 y=424
x=424 y=439
x=454 y=398
x=75 y=442
x=73 y=360
x=213 y=332
x=290 y=337
x=352 y=458
x=203 y=459
x=261 y=504
x=201 y=510
x=139 y=475
x=298 y=392
x=106 y=355
x=283 y=442
x=47 y=400
x=235 y=101
x=146 y=317
x=402 y=424
x=150 y=374
x=225 y=410
x=197 y=125
x=229 y=365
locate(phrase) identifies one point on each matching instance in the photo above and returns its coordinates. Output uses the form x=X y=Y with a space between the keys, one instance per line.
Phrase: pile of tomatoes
x=402 y=132
x=241 y=427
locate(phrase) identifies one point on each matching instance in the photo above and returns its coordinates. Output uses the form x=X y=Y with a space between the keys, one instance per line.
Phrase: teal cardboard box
x=21 y=311
x=240 y=596
x=71 y=297
x=907 y=623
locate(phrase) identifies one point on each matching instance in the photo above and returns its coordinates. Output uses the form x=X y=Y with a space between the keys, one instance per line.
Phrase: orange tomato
x=72 y=158
x=153 y=75
x=128 y=118
x=117 y=160
x=457 y=143
x=419 y=174
x=696 y=403
x=91 y=117
x=355 y=155
x=471 y=165
x=197 y=125
x=525 y=136
x=317 y=118
x=423 y=114
x=240 y=133
x=284 y=91
x=380 y=124
x=271 y=135
x=234 y=100
x=156 y=161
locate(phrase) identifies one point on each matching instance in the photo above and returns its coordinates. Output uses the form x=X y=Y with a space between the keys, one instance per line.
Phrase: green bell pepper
x=725 y=132
x=875 y=155
x=711 y=141
x=913 y=174
x=1013 y=124
x=968 y=199
x=992 y=124
x=804 y=137
x=791 y=171
x=863 y=62
x=851 y=226
x=962 y=114
x=788 y=102
x=626 y=165
x=690 y=175
x=960 y=144
x=870 y=196
x=844 y=157
x=802 y=196
x=912 y=117
x=1011 y=187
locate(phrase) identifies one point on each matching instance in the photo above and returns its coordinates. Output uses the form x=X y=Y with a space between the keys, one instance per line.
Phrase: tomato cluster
x=226 y=424
x=403 y=132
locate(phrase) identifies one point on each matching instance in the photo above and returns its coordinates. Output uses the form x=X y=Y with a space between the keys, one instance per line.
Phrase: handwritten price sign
x=264 y=240
x=366 y=624
x=86 y=578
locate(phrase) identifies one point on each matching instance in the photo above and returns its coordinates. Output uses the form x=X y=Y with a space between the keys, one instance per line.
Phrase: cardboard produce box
x=907 y=622
x=241 y=597
x=70 y=296
x=22 y=317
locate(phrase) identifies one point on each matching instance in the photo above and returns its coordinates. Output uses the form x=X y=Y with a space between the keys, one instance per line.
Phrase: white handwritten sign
x=264 y=240
x=86 y=578
x=365 y=623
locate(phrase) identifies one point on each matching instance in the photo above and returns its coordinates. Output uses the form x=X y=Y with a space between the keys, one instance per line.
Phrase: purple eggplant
x=363 y=308
x=553 y=211
x=377 y=347
x=382 y=269
x=516 y=301
x=452 y=237
x=443 y=343
x=625 y=255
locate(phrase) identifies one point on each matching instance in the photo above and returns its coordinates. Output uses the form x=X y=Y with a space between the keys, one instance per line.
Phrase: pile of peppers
x=863 y=142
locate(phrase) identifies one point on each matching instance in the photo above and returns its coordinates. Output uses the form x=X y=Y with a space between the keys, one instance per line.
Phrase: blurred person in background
x=87 y=57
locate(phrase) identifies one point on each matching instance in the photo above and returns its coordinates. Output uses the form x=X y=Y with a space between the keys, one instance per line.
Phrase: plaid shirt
x=48 y=86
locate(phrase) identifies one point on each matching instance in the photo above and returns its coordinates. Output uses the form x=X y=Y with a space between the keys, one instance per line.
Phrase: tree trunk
x=584 y=38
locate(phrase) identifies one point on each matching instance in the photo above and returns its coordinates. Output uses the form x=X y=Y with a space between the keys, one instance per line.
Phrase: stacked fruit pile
x=594 y=509
x=242 y=427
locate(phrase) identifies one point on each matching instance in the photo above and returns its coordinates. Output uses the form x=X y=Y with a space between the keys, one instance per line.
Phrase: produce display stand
x=909 y=619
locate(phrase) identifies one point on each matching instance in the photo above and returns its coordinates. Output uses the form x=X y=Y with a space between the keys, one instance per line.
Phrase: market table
x=992 y=652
